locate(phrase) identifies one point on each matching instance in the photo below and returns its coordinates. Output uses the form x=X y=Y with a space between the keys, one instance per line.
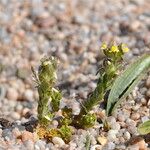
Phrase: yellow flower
x=104 y=46
x=124 y=47
x=114 y=49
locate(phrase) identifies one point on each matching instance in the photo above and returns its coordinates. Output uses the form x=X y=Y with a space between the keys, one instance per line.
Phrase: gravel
x=73 y=32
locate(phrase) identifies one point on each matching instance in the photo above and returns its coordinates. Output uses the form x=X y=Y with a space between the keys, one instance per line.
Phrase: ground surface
x=73 y=32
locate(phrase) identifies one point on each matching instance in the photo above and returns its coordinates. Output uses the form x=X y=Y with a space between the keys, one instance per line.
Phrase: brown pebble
x=12 y=94
x=135 y=116
x=16 y=132
x=45 y=22
x=27 y=136
x=138 y=141
x=148 y=82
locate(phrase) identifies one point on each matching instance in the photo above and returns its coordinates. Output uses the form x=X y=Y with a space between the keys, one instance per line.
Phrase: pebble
x=12 y=94
x=127 y=135
x=2 y=91
x=115 y=126
x=121 y=117
x=138 y=142
x=112 y=135
x=27 y=136
x=29 y=144
x=148 y=93
x=58 y=141
x=109 y=146
x=135 y=116
x=28 y=95
x=40 y=145
x=15 y=115
x=16 y=132
x=148 y=82
x=102 y=140
x=145 y=118
x=7 y=134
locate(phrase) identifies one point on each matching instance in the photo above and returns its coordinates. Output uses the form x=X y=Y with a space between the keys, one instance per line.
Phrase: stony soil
x=73 y=32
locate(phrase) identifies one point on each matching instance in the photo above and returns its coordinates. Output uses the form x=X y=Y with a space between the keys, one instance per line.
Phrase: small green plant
x=48 y=95
x=110 y=88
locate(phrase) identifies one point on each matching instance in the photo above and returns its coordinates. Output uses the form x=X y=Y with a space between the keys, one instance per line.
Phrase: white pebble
x=112 y=135
x=58 y=141
x=115 y=126
x=127 y=135
x=28 y=95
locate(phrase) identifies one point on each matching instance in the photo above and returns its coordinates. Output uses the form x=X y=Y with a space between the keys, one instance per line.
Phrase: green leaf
x=126 y=82
x=144 y=128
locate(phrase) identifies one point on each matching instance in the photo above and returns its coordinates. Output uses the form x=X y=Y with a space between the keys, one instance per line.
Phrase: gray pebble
x=109 y=146
x=40 y=145
x=29 y=145
x=7 y=134
x=148 y=93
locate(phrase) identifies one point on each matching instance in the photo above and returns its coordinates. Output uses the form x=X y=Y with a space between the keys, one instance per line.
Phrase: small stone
x=135 y=25
x=148 y=103
x=28 y=95
x=115 y=126
x=148 y=82
x=135 y=116
x=112 y=135
x=109 y=146
x=27 y=136
x=2 y=91
x=133 y=147
x=22 y=73
x=55 y=123
x=1 y=132
x=121 y=139
x=29 y=145
x=72 y=145
x=26 y=112
x=93 y=140
x=12 y=94
x=121 y=117
x=127 y=135
x=130 y=122
x=45 y=21
x=148 y=93
x=143 y=101
x=111 y=119
x=96 y=147
x=15 y=115
x=7 y=134
x=40 y=145
x=145 y=118
x=16 y=132
x=138 y=141
x=102 y=140
x=58 y=141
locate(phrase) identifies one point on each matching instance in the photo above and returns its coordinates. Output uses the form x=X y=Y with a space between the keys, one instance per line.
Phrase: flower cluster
x=113 y=50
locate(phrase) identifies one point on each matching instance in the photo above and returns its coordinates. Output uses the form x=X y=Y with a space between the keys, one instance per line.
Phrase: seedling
x=110 y=87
